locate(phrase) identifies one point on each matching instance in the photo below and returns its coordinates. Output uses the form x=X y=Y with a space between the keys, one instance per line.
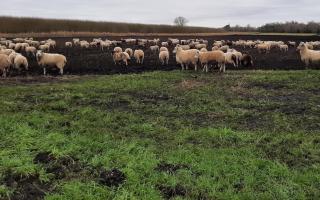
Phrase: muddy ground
x=95 y=61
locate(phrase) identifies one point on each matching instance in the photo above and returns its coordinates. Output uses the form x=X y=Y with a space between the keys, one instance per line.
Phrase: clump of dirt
x=239 y=186
x=26 y=187
x=190 y=84
x=170 y=168
x=170 y=192
x=43 y=157
x=60 y=167
x=112 y=178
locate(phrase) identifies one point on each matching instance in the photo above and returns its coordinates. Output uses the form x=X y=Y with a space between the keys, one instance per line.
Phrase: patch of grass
x=240 y=135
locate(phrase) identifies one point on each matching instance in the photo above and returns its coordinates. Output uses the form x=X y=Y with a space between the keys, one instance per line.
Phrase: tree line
x=37 y=25
x=277 y=27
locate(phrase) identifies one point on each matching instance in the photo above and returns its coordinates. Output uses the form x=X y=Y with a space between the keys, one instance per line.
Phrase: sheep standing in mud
x=121 y=56
x=163 y=49
x=4 y=64
x=238 y=56
x=51 y=60
x=212 y=56
x=44 y=48
x=164 y=57
x=68 y=44
x=284 y=48
x=129 y=51
x=31 y=51
x=308 y=56
x=139 y=56
x=186 y=57
x=20 y=62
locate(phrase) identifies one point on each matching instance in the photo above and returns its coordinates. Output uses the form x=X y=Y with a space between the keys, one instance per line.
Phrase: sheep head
x=39 y=55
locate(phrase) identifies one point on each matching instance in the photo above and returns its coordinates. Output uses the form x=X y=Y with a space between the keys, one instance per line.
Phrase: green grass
x=241 y=135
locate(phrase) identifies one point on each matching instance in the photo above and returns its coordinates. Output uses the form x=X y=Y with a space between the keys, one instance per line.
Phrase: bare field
x=95 y=61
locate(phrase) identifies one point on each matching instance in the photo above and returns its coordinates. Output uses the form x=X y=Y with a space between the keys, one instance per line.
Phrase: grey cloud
x=200 y=13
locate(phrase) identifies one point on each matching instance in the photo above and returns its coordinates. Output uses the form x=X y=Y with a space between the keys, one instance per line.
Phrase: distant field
x=160 y=135
x=109 y=34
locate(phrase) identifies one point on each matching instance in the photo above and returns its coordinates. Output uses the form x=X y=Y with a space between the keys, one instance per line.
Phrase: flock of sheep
x=14 y=54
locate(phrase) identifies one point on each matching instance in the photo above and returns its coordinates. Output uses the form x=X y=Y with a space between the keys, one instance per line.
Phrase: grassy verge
x=241 y=135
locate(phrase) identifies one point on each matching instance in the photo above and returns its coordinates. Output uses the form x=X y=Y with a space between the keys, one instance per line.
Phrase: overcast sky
x=199 y=12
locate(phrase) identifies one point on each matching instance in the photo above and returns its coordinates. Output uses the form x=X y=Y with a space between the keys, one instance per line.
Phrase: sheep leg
x=61 y=71
x=195 y=67
x=182 y=67
x=44 y=71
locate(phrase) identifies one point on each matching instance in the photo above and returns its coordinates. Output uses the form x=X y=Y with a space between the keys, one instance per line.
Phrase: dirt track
x=94 y=61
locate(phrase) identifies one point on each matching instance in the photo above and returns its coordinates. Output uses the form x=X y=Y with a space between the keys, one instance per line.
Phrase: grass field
x=241 y=135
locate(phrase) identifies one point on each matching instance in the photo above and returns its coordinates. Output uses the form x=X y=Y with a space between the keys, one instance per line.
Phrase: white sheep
x=12 y=56
x=263 y=47
x=76 y=41
x=105 y=44
x=35 y=43
x=163 y=49
x=20 y=62
x=215 y=48
x=230 y=58
x=84 y=44
x=129 y=51
x=224 y=48
x=31 y=51
x=6 y=51
x=307 y=55
x=186 y=57
x=185 y=47
x=121 y=56
x=68 y=44
x=291 y=43
x=238 y=56
x=51 y=60
x=203 y=50
x=4 y=64
x=284 y=47
x=212 y=56
x=200 y=46
x=44 y=48
x=164 y=44
x=117 y=49
x=164 y=57
x=139 y=56
x=12 y=46
x=51 y=43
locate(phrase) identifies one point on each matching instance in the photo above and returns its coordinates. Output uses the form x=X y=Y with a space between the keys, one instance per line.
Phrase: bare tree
x=180 y=21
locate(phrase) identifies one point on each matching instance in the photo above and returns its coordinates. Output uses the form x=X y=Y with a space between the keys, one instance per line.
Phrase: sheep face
x=301 y=46
x=39 y=55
